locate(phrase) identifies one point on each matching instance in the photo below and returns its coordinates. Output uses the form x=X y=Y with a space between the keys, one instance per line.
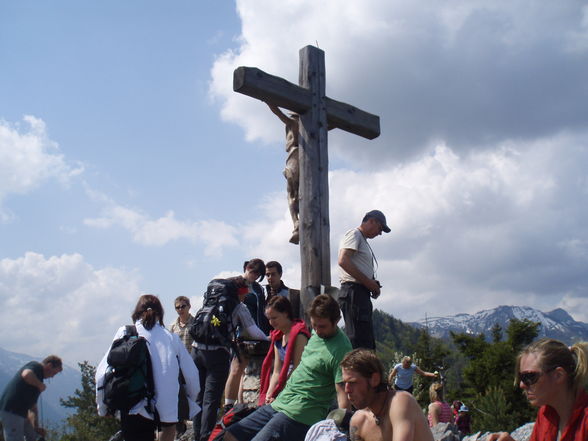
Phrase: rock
x=445 y=432
x=523 y=433
x=449 y=432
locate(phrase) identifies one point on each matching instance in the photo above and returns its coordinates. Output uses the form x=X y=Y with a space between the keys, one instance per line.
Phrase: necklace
x=378 y=415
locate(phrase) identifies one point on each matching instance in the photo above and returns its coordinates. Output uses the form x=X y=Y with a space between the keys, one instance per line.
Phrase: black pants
x=213 y=369
x=355 y=303
x=137 y=428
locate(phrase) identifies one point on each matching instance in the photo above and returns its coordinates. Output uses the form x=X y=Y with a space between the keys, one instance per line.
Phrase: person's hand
x=42 y=387
x=269 y=400
x=374 y=287
x=499 y=436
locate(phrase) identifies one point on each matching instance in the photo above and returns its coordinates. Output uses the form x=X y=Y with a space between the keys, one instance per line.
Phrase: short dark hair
x=149 y=310
x=54 y=361
x=256 y=265
x=274 y=264
x=184 y=299
x=325 y=306
x=281 y=304
x=365 y=362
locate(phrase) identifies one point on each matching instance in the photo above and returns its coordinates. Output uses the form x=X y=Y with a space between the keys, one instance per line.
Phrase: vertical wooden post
x=316 y=110
x=314 y=185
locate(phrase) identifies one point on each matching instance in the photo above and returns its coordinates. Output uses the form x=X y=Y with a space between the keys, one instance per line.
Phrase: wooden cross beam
x=318 y=113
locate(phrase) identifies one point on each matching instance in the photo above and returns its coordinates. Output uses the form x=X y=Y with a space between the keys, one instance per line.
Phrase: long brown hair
x=149 y=311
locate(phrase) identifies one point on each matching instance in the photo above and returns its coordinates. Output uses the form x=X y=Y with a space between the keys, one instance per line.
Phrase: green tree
x=85 y=424
x=492 y=412
x=491 y=365
x=430 y=356
x=496 y=333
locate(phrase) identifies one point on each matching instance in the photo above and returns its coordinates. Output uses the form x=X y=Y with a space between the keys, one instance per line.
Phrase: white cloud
x=63 y=305
x=467 y=74
x=216 y=235
x=469 y=231
x=28 y=158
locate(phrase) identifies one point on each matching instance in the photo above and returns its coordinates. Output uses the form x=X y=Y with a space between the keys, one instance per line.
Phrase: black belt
x=352 y=284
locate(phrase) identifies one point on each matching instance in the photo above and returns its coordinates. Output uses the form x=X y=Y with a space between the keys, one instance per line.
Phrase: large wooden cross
x=318 y=113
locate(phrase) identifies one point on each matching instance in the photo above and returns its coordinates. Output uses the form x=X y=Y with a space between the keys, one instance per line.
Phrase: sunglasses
x=531 y=377
x=181 y=307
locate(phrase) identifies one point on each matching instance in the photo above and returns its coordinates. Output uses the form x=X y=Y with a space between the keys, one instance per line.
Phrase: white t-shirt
x=362 y=258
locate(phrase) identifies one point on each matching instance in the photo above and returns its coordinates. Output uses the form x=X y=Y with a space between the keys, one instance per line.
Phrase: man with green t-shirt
x=20 y=397
x=311 y=388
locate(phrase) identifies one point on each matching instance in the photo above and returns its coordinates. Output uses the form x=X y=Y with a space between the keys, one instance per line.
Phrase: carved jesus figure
x=292 y=169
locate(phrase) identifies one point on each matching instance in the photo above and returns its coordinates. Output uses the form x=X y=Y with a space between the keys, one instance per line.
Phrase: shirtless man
x=382 y=414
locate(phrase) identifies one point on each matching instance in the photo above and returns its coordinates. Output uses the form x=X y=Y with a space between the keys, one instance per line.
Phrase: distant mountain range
x=556 y=324
x=62 y=385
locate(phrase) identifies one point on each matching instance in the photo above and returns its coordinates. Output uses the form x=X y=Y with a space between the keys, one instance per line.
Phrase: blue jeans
x=16 y=427
x=267 y=424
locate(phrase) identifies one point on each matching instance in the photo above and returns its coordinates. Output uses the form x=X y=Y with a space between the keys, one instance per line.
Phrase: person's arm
x=255 y=333
x=403 y=416
x=244 y=318
x=499 y=436
x=30 y=378
x=342 y=400
x=279 y=113
x=345 y=262
x=392 y=376
x=34 y=420
x=300 y=343
x=188 y=369
x=434 y=412
x=425 y=374
x=275 y=377
x=355 y=426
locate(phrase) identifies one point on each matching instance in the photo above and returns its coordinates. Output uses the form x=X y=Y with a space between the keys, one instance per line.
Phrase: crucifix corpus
x=314 y=114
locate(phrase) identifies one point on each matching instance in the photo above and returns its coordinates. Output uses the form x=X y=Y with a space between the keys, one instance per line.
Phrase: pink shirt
x=446 y=415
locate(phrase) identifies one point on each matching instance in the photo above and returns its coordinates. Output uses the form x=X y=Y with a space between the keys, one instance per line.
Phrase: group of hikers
x=324 y=384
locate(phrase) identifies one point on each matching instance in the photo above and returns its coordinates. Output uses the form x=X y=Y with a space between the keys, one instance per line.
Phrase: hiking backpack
x=235 y=414
x=129 y=376
x=213 y=323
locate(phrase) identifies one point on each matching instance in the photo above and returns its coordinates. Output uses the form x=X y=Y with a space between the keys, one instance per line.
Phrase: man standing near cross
x=358 y=279
x=317 y=113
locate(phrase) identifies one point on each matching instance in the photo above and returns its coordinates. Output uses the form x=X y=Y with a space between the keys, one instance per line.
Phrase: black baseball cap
x=379 y=216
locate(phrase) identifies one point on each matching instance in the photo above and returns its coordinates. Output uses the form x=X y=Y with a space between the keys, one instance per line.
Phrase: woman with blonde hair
x=554 y=378
x=439 y=410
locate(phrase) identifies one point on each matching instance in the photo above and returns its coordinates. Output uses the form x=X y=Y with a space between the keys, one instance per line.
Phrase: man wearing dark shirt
x=20 y=397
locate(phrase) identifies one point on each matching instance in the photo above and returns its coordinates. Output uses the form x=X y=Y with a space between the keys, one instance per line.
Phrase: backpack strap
x=131 y=331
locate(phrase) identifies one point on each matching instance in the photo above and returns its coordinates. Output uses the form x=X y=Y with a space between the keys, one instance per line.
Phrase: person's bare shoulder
x=402 y=405
x=407 y=418
x=356 y=424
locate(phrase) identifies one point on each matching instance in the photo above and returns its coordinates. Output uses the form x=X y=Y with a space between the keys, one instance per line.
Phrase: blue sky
x=128 y=165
